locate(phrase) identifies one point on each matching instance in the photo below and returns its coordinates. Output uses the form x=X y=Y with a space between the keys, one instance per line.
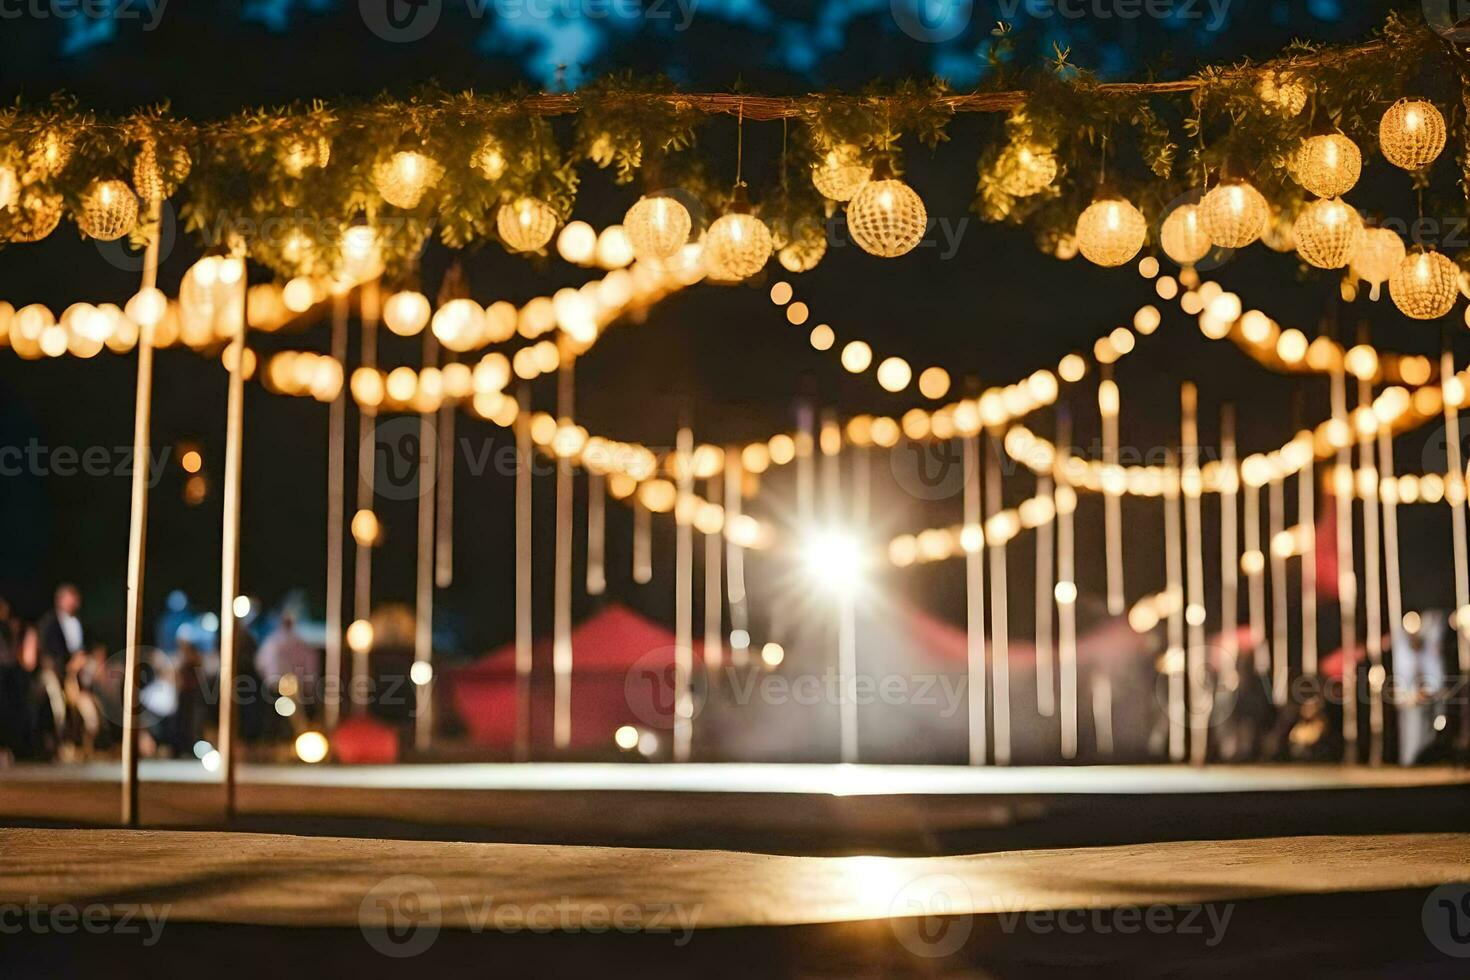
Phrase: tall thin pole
x=1390 y=537
x=230 y=542
x=1066 y=596
x=561 y=623
x=975 y=603
x=1000 y=641
x=1372 y=577
x=714 y=591
x=735 y=555
x=1280 y=627
x=336 y=477
x=1455 y=494
x=1255 y=580
x=1307 y=514
x=1174 y=572
x=524 y=650
x=1108 y=407
x=642 y=543
x=444 y=490
x=423 y=634
x=1194 y=615
x=847 y=670
x=138 y=530
x=1046 y=704
x=1229 y=548
x=1347 y=585
x=367 y=448
x=596 y=533
x=683 y=599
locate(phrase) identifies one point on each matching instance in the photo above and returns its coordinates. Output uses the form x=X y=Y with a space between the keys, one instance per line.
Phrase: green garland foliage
x=285 y=183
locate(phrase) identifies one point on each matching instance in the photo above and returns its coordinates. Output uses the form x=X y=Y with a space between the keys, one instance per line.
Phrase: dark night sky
x=995 y=310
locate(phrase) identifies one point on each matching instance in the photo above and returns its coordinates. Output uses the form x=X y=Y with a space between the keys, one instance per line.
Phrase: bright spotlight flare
x=835 y=561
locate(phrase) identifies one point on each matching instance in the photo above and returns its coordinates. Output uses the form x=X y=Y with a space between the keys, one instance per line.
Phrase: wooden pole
x=1347 y=586
x=596 y=533
x=1194 y=613
x=714 y=591
x=423 y=638
x=1307 y=514
x=1390 y=537
x=230 y=542
x=1174 y=653
x=444 y=491
x=1455 y=495
x=735 y=555
x=561 y=623
x=975 y=603
x=1372 y=577
x=138 y=530
x=1046 y=702
x=1000 y=640
x=1229 y=549
x=1108 y=407
x=1255 y=580
x=683 y=599
x=336 y=465
x=1065 y=594
x=367 y=443
x=524 y=635
x=1280 y=626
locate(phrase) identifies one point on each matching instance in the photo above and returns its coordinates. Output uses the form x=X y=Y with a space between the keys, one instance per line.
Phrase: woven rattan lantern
x=841 y=173
x=526 y=224
x=1327 y=233
x=109 y=210
x=886 y=217
x=1024 y=169
x=1328 y=165
x=1379 y=253
x=1412 y=134
x=1183 y=236
x=658 y=226
x=1110 y=231
x=1234 y=214
x=738 y=244
x=1425 y=285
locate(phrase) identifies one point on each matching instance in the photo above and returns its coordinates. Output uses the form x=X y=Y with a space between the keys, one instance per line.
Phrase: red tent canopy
x=622 y=674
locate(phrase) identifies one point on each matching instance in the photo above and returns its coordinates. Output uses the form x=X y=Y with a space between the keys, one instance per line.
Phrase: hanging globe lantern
x=526 y=224
x=658 y=226
x=1380 y=252
x=1425 y=285
x=406 y=313
x=1110 y=232
x=1234 y=214
x=1283 y=92
x=1412 y=134
x=841 y=173
x=1024 y=169
x=151 y=179
x=9 y=187
x=403 y=178
x=1327 y=233
x=1328 y=165
x=109 y=210
x=489 y=159
x=806 y=247
x=1183 y=236
x=738 y=243
x=886 y=217
x=33 y=217
x=361 y=253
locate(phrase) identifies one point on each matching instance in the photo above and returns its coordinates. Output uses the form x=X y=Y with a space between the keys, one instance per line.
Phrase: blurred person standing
x=285 y=653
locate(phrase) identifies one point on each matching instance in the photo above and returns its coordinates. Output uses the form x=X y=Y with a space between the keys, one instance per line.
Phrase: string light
x=1425 y=285
x=1412 y=134
x=526 y=224
x=1183 y=236
x=109 y=210
x=1327 y=233
x=657 y=226
x=1234 y=214
x=404 y=177
x=886 y=217
x=1111 y=231
x=1328 y=165
x=407 y=313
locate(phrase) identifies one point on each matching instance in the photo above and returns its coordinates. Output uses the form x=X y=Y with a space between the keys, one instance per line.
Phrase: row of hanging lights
x=1328 y=232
